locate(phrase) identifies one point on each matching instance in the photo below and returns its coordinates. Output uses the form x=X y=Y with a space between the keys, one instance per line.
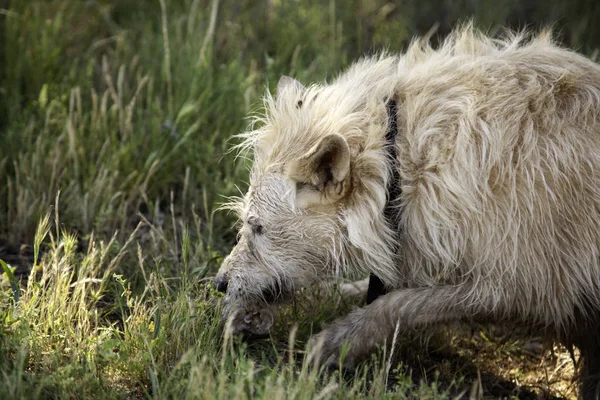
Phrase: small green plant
x=14 y=285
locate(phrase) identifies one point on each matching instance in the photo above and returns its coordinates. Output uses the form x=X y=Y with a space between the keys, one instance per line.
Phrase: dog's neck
x=391 y=211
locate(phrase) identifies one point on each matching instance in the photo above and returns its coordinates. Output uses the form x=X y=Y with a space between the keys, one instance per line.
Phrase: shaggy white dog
x=496 y=212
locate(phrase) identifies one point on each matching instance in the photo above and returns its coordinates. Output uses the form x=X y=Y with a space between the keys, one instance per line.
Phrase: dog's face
x=291 y=230
x=281 y=246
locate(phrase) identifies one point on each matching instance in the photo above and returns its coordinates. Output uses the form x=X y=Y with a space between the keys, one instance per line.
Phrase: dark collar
x=394 y=189
x=391 y=211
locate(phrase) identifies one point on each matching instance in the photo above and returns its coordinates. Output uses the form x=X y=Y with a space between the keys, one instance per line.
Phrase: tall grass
x=115 y=126
x=80 y=329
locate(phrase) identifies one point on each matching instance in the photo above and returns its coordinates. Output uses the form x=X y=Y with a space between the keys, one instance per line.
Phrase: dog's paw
x=339 y=344
x=324 y=351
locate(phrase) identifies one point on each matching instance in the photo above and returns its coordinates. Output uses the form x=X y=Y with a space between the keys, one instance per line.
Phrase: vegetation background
x=116 y=118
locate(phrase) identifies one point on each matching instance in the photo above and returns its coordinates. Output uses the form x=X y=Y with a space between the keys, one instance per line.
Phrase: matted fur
x=499 y=160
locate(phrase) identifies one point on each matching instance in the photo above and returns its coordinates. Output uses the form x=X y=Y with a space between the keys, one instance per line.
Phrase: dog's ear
x=286 y=83
x=322 y=175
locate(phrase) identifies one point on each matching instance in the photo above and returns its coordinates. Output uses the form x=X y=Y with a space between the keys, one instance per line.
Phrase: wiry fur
x=499 y=157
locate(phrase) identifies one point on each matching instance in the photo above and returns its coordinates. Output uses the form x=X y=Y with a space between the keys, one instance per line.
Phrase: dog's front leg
x=407 y=309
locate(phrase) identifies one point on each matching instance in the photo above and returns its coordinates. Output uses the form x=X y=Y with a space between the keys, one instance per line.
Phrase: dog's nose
x=221 y=283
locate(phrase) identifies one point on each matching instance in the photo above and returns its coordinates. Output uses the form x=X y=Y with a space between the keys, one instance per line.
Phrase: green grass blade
x=11 y=277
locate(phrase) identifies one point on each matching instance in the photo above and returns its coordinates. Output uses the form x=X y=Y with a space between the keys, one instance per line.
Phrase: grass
x=115 y=126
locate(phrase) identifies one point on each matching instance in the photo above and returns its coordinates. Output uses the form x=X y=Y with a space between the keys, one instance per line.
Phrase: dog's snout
x=221 y=283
